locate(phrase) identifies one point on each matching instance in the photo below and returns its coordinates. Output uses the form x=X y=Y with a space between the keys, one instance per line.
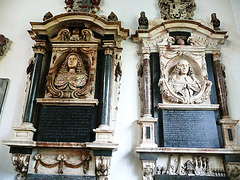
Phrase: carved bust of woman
x=72 y=74
x=184 y=82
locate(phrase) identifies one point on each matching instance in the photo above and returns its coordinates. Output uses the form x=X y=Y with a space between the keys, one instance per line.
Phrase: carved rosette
x=103 y=164
x=72 y=70
x=177 y=86
x=175 y=9
x=21 y=162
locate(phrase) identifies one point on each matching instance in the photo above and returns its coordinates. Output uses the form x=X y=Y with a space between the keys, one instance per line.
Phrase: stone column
x=147 y=109
x=147 y=121
x=220 y=85
x=228 y=124
x=104 y=133
x=31 y=100
x=107 y=75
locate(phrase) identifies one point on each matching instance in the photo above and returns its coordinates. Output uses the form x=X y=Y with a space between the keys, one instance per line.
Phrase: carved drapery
x=61 y=161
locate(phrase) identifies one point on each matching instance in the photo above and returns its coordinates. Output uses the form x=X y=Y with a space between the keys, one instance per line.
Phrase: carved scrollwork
x=148 y=169
x=20 y=162
x=61 y=160
x=65 y=35
x=233 y=171
x=73 y=76
x=103 y=164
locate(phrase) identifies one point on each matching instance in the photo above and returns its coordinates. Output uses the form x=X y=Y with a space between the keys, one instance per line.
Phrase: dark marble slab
x=190 y=129
x=3 y=89
x=65 y=123
x=173 y=177
x=58 y=177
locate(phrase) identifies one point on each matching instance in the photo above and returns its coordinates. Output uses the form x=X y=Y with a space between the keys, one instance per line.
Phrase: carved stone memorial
x=3 y=90
x=186 y=131
x=74 y=78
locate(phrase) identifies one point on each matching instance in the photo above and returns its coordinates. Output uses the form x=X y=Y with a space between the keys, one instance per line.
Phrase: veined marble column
x=228 y=124
x=30 y=105
x=147 y=102
x=107 y=86
x=220 y=85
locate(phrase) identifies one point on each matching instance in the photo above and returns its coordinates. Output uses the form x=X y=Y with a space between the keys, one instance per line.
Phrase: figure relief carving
x=148 y=169
x=197 y=166
x=103 y=164
x=177 y=9
x=181 y=83
x=72 y=79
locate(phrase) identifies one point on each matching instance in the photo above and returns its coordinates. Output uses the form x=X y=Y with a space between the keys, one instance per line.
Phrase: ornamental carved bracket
x=177 y=9
x=184 y=77
x=148 y=169
x=61 y=161
x=21 y=162
x=103 y=164
x=233 y=171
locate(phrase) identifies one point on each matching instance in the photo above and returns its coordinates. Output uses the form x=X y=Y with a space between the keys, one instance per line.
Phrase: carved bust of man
x=72 y=74
x=184 y=82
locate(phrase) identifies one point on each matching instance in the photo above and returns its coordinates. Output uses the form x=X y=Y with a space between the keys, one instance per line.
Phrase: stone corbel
x=21 y=162
x=103 y=164
x=148 y=167
x=233 y=171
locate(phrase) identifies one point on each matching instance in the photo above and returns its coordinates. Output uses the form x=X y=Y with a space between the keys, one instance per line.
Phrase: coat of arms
x=90 y=6
x=177 y=9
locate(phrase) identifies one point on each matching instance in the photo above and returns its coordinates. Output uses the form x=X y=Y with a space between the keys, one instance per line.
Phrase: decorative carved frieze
x=91 y=6
x=21 y=162
x=65 y=35
x=177 y=9
x=184 y=77
x=148 y=167
x=233 y=171
x=196 y=166
x=61 y=161
x=103 y=164
x=3 y=44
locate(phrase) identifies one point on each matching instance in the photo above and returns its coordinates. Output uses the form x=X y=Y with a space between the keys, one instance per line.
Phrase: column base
x=147 y=126
x=104 y=134
x=23 y=136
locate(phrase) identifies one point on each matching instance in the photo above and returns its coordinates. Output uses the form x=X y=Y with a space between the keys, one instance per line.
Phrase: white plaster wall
x=15 y=16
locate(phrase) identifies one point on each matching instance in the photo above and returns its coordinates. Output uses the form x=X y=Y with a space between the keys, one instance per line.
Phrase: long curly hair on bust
x=80 y=69
x=177 y=71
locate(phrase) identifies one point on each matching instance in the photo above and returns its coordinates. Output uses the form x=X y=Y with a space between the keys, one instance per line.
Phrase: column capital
x=108 y=46
x=216 y=56
x=40 y=47
x=146 y=55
